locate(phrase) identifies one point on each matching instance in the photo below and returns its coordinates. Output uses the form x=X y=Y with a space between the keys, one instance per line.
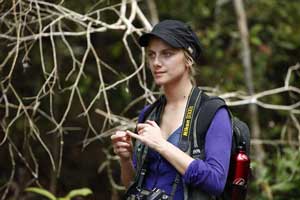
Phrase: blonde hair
x=191 y=63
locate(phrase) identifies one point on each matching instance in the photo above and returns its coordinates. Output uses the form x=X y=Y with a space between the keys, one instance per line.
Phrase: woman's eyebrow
x=149 y=50
x=169 y=49
x=165 y=49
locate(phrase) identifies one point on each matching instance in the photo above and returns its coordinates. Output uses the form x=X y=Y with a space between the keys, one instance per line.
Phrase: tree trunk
x=259 y=152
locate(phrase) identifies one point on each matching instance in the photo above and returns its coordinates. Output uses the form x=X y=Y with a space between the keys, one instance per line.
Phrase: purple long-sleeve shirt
x=208 y=175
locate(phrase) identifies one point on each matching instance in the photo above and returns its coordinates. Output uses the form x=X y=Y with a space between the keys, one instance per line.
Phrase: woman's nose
x=156 y=61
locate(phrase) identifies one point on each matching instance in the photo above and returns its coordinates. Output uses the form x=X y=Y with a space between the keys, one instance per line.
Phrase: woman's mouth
x=158 y=73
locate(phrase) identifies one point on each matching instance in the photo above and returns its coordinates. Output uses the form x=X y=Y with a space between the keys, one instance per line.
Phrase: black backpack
x=241 y=134
x=205 y=109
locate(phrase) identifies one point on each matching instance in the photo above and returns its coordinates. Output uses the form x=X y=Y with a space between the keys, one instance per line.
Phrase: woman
x=172 y=49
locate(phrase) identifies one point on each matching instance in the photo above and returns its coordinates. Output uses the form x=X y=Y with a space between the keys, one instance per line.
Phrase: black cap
x=177 y=34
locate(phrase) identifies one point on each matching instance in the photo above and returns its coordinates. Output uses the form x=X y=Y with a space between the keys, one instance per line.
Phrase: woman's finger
x=134 y=135
x=123 y=150
x=152 y=123
x=122 y=144
x=118 y=135
x=141 y=126
x=121 y=133
x=143 y=131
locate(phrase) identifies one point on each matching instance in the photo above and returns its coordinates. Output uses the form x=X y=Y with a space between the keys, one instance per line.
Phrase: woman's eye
x=151 y=55
x=168 y=54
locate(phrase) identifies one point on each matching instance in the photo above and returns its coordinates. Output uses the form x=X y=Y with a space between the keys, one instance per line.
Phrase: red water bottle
x=241 y=173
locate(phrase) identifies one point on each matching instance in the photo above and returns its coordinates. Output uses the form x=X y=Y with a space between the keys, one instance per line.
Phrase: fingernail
x=120 y=133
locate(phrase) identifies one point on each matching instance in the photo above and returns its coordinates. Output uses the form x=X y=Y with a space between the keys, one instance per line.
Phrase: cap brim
x=145 y=39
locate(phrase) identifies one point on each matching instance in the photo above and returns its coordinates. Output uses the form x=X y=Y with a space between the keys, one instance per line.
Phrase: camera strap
x=174 y=186
x=189 y=119
x=187 y=128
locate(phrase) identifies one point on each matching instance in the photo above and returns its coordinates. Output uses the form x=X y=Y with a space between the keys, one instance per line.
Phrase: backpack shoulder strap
x=141 y=150
x=159 y=104
x=207 y=110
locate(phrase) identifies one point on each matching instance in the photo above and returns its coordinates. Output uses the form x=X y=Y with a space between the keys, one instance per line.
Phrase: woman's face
x=167 y=64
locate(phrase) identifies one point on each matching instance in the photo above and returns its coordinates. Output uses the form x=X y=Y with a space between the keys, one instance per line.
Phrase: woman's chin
x=159 y=82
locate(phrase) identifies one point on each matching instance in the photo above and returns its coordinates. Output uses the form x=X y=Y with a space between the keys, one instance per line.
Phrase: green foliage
x=287 y=172
x=41 y=192
x=69 y=196
x=282 y=176
x=77 y=192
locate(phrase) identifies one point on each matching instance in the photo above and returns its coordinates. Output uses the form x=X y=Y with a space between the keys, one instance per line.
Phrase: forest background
x=71 y=73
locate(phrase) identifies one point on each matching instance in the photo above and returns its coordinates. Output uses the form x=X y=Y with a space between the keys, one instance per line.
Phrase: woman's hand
x=150 y=134
x=122 y=145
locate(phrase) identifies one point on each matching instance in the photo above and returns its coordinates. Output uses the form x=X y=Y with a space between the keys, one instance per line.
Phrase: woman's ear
x=188 y=63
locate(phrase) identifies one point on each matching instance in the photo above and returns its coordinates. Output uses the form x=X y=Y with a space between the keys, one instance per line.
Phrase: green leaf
x=255 y=40
x=42 y=192
x=79 y=192
x=286 y=45
x=283 y=186
x=256 y=29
